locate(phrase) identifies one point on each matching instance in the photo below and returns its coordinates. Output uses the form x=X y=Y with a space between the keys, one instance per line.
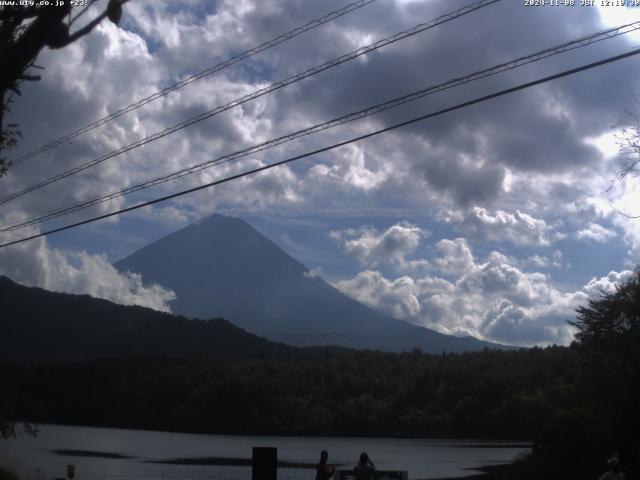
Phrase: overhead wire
x=195 y=77
x=447 y=17
x=395 y=126
x=353 y=116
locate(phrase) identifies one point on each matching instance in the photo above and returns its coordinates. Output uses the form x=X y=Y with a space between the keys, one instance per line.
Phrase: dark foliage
x=603 y=411
x=493 y=394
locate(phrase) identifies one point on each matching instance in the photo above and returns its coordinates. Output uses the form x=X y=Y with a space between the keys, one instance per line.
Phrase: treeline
x=497 y=394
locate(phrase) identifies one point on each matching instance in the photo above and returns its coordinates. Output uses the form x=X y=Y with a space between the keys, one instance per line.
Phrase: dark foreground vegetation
x=494 y=394
x=578 y=403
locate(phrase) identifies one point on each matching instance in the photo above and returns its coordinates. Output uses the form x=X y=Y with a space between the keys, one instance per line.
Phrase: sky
x=494 y=220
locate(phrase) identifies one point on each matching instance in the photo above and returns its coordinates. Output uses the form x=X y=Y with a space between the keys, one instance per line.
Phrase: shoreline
x=498 y=441
x=487 y=472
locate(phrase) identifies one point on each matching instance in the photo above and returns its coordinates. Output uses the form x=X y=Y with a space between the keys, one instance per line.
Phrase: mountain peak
x=223 y=267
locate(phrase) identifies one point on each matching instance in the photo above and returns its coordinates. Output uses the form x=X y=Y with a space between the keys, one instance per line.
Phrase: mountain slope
x=38 y=325
x=223 y=267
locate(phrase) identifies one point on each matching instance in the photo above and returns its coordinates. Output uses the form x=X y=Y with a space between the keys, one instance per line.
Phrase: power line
x=195 y=77
x=505 y=66
x=258 y=93
x=459 y=106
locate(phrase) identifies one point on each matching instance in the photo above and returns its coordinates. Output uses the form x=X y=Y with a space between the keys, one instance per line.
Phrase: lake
x=119 y=454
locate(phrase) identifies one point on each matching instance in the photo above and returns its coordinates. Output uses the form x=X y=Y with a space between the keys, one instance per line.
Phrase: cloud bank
x=493 y=298
x=37 y=264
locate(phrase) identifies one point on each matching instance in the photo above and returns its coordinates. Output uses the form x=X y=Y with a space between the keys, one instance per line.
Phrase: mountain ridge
x=38 y=325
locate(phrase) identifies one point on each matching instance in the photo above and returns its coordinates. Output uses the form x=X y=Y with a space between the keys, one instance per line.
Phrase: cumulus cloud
x=313 y=272
x=607 y=284
x=453 y=257
x=490 y=298
x=354 y=168
x=517 y=227
x=373 y=248
x=397 y=298
x=540 y=261
x=596 y=232
x=37 y=264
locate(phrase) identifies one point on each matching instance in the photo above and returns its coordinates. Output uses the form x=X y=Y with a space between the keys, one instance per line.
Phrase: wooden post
x=265 y=463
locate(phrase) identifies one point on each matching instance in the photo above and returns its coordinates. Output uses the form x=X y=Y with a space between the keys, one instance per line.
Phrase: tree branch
x=82 y=12
x=91 y=25
x=30 y=78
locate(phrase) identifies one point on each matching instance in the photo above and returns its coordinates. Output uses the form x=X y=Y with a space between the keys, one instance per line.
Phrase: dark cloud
x=540 y=130
x=468 y=184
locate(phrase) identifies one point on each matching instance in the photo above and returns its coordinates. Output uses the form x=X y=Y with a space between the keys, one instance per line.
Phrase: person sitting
x=324 y=471
x=365 y=469
x=614 y=472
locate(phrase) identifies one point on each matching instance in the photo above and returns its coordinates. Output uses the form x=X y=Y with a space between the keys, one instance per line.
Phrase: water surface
x=119 y=454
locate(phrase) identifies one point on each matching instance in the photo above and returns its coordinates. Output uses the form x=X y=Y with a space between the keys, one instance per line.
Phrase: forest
x=577 y=403
x=497 y=394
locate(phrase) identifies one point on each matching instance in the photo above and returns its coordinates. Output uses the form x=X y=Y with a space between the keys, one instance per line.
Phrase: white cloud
x=35 y=263
x=453 y=257
x=625 y=197
x=313 y=273
x=518 y=227
x=607 y=284
x=398 y=298
x=540 y=261
x=352 y=167
x=613 y=15
x=373 y=248
x=596 y=232
x=607 y=143
x=492 y=299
